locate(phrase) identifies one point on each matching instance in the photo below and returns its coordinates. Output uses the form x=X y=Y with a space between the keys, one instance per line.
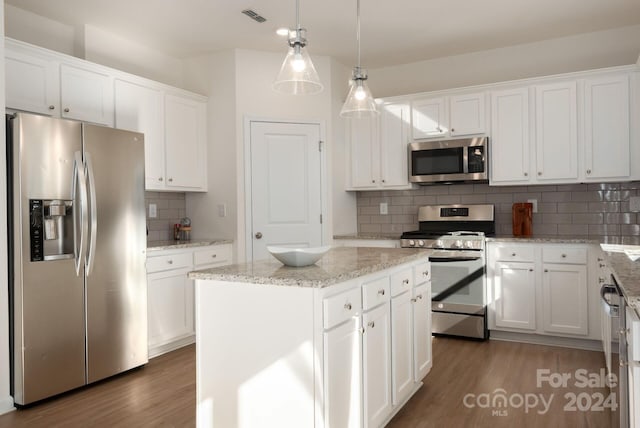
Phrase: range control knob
x=438 y=244
x=412 y=243
x=457 y=244
x=421 y=243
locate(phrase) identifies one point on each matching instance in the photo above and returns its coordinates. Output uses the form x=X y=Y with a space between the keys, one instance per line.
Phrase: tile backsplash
x=171 y=208
x=598 y=211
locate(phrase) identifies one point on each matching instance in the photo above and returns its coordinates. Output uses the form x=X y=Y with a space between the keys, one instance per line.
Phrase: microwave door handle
x=465 y=160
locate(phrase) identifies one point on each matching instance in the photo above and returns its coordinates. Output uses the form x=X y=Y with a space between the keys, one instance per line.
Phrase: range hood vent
x=254 y=15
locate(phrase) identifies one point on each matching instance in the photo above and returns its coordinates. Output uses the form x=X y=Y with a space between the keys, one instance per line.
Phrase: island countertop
x=626 y=272
x=338 y=265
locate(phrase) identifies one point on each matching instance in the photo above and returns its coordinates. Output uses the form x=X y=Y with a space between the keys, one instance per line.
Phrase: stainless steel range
x=456 y=236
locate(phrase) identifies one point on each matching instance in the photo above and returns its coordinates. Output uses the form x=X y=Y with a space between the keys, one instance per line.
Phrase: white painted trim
x=6 y=405
x=537 y=339
x=158 y=350
x=245 y=184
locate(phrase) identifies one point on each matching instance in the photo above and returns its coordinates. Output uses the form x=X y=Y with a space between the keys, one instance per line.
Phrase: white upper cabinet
x=185 y=127
x=86 y=94
x=140 y=108
x=509 y=148
x=606 y=128
x=556 y=132
x=452 y=116
x=378 y=149
x=31 y=83
x=429 y=118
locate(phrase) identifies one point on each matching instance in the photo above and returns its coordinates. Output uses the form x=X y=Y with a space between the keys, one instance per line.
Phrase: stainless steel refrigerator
x=77 y=236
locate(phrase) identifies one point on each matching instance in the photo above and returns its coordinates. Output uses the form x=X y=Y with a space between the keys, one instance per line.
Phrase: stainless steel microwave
x=449 y=160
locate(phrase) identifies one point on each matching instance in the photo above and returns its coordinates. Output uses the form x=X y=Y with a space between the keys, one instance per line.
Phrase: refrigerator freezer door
x=117 y=286
x=48 y=297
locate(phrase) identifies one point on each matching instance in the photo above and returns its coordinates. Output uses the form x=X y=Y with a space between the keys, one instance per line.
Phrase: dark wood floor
x=162 y=394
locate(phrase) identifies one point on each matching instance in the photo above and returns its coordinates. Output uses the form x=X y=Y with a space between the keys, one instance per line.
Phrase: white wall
x=6 y=401
x=576 y=53
x=38 y=30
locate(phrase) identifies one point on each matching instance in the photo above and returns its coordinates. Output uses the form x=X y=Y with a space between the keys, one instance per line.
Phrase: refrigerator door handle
x=79 y=182
x=93 y=219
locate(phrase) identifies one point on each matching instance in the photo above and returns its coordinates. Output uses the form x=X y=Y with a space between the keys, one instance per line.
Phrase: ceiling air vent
x=254 y=15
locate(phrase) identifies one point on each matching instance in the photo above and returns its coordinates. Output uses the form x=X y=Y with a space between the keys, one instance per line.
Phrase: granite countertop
x=175 y=245
x=368 y=236
x=626 y=272
x=338 y=265
x=543 y=239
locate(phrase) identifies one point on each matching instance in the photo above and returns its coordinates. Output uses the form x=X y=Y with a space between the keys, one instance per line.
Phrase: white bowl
x=298 y=257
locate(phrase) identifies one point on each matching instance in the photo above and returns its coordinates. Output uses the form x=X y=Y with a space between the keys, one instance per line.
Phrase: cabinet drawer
x=515 y=254
x=401 y=281
x=375 y=292
x=215 y=255
x=564 y=255
x=168 y=262
x=421 y=273
x=341 y=307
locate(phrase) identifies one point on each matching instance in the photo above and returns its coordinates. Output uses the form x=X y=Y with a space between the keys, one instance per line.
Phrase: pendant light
x=359 y=101
x=297 y=75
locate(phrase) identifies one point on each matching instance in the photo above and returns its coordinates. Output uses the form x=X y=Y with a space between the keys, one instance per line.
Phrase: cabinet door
x=365 y=152
x=139 y=108
x=606 y=131
x=564 y=299
x=556 y=132
x=86 y=95
x=401 y=347
x=394 y=135
x=467 y=114
x=31 y=83
x=185 y=143
x=510 y=136
x=422 y=355
x=377 y=365
x=514 y=295
x=429 y=118
x=343 y=375
x=170 y=306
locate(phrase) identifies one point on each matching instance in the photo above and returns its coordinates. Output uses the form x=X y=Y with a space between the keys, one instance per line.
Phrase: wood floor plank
x=162 y=394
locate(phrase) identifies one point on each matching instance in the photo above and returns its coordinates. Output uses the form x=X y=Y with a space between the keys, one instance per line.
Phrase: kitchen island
x=326 y=345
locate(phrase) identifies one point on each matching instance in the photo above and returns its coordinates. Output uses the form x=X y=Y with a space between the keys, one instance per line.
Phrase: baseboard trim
x=158 y=350
x=537 y=339
x=6 y=405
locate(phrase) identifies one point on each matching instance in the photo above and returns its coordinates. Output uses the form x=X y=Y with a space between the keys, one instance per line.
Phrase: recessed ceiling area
x=393 y=32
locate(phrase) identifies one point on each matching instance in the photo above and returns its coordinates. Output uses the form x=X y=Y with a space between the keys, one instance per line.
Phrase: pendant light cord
x=297 y=15
x=358 y=29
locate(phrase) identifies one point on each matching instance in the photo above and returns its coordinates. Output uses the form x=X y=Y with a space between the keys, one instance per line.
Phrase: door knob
x=258 y=235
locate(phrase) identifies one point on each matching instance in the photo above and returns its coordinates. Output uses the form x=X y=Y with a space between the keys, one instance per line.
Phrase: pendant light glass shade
x=359 y=101
x=297 y=75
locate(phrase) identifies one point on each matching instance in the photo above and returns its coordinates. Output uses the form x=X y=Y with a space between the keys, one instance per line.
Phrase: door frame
x=247 y=187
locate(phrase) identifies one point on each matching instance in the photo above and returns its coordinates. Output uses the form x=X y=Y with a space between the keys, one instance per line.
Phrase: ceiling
x=393 y=32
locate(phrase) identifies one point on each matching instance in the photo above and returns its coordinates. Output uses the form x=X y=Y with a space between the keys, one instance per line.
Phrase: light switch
x=153 y=211
x=222 y=210
x=634 y=203
x=384 y=208
x=534 y=202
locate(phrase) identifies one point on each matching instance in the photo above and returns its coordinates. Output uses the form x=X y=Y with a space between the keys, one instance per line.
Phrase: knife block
x=522 y=216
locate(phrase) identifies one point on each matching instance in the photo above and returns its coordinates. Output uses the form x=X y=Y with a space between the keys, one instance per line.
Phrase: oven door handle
x=612 y=310
x=452 y=259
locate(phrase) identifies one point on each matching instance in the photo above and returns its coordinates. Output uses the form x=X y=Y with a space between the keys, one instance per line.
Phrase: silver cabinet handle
x=170 y=262
x=588 y=171
x=513 y=254
x=373 y=181
x=546 y=270
x=526 y=174
x=414 y=300
x=530 y=270
x=52 y=107
x=539 y=173
x=170 y=180
x=600 y=259
x=602 y=265
x=347 y=306
x=372 y=324
x=213 y=256
x=564 y=256
x=384 y=181
x=453 y=130
x=160 y=179
x=259 y=235
x=66 y=110
x=381 y=292
x=425 y=273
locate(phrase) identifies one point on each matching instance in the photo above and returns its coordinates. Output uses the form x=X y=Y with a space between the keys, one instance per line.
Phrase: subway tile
x=546 y=229
x=603 y=186
x=401 y=200
x=604 y=229
x=620 y=218
x=402 y=218
x=368 y=210
x=424 y=200
x=398 y=209
x=630 y=185
x=587 y=218
x=379 y=219
x=572 y=188
x=620 y=195
x=369 y=228
x=364 y=219
x=590 y=196
x=537 y=218
x=554 y=218
x=408 y=209
x=547 y=207
x=625 y=206
x=573 y=229
x=573 y=207
x=436 y=190
x=176 y=203
x=460 y=189
x=497 y=198
x=630 y=240
x=448 y=199
x=375 y=202
x=509 y=189
x=504 y=208
x=523 y=197
x=630 y=229
x=363 y=202
x=543 y=189
x=158 y=225
x=479 y=198
x=391 y=228
x=483 y=188
x=604 y=206
x=556 y=196
x=611 y=239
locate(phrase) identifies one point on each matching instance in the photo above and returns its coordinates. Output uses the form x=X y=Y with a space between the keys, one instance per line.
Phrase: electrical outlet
x=153 y=211
x=634 y=203
x=535 y=204
x=384 y=208
x=222 y=210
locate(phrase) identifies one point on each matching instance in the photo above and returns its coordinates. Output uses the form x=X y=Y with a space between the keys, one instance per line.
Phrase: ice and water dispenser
x=51 y=229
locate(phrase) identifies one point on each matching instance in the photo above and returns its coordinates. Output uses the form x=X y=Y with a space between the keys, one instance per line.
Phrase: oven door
x=458 y=284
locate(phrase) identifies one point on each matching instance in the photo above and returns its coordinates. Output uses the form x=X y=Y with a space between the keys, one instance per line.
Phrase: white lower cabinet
x=401 y=347
x=422 y=355
x=543 y=289
x=170 y=294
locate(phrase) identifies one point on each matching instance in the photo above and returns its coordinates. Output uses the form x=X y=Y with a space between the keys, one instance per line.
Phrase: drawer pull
x=602 y=265
x=564 y=256
x=170 y=262
x=347 y=306
x=372 y=324
x=601 y=280
x=513 y=254
x=425 y=273
x=546 y=270
x=419 y=296
x=405 y=281
x=530 y=270
x=381 y=292
x=413 y=300
x=213 y=256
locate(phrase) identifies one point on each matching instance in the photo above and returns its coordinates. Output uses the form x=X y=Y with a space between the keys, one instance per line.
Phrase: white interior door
x=286 y=202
